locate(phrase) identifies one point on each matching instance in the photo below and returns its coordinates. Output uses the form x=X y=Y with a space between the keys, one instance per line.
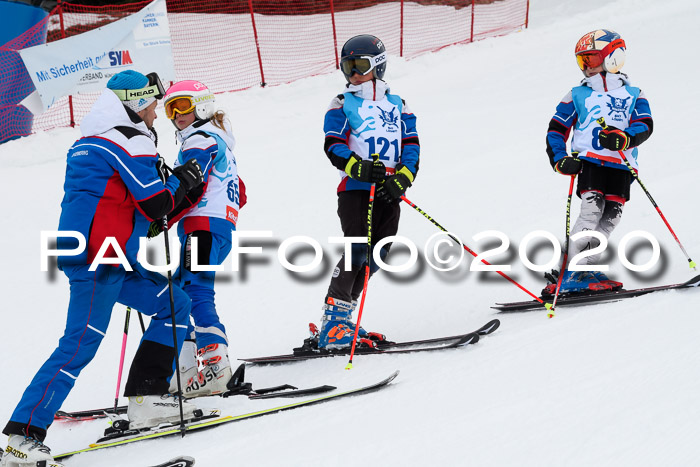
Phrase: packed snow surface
x=607 y=385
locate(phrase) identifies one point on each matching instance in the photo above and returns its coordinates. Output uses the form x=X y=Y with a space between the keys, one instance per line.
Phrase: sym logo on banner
x=84 y=63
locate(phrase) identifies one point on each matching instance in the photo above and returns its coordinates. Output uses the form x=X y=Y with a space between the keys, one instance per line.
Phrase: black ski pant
x=352 y=210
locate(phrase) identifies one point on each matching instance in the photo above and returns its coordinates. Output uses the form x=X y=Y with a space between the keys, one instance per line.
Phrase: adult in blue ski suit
x=113 y=188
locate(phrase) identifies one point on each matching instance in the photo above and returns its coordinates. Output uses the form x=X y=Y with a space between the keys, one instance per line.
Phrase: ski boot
x=581 y=281
x=603 y=279
x=189 y=366
x=574 y=282
x=337 y=331
x=23 y=450
x=151 y=411
x=375 y=336
x=215 y=373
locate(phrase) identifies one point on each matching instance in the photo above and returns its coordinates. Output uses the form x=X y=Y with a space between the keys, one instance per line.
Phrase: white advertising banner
x=84 y=63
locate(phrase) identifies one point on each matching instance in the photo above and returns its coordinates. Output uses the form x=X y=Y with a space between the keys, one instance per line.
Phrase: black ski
x=593 y=297
x=424 y=345
x=174 y=430
x=182 y=461
x=286 y=390
x=82 y=415
x=293 y=393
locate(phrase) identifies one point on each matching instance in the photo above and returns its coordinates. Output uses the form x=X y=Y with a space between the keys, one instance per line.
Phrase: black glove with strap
x=190 y=174
x=569 y=165
x=365 y=171
x=155 y=228
x=396 y=185
x=162 y=168
x=614 y=139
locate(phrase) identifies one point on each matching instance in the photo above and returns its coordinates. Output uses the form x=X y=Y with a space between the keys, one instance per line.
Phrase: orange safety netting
x=239 y=44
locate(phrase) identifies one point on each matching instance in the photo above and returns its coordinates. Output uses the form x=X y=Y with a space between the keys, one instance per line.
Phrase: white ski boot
x=22 y=451
x=189 y=367
x=215 y=374
x=151 y=411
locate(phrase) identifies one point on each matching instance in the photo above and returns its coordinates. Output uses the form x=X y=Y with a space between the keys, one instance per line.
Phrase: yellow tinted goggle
x=359 y=65
x=180 y=105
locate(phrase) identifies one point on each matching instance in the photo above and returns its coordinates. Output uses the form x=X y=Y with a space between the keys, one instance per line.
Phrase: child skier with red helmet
x=603 y=177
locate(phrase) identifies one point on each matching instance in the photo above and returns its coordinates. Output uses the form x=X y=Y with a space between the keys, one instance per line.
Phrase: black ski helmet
x=364 y=45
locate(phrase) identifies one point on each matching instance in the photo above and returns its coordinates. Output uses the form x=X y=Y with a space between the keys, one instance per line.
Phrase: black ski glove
x=155 y=228
x=614 y=139
x=396 y=185
x=190 y=174
x=161 y=168
x=569 y=165
x=365 y=171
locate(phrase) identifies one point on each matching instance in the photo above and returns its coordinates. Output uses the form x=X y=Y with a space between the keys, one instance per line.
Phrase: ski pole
x=172 y=309
x=121 y=358
x=471 y=252
x=143 y=327
x=370 y=208
x=691 y=263
x=174 y=325
x=550 y=314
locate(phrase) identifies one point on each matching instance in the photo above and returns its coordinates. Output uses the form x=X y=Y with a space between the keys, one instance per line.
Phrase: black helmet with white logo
x=362 y=54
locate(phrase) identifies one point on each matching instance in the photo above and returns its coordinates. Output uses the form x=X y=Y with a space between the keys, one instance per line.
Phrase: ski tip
x=182 y=461
x=393 y=376
x=489 y=327
x=471 y=338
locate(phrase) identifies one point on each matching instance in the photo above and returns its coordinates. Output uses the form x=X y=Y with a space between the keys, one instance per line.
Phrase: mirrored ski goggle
x=181 y=105
x=590 y=59
x=361 y=65
x=154 y=89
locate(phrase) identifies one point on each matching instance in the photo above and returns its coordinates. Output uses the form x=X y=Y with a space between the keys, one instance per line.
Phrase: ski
x=593 y=298
x=182 y=461
x=285 y=391
x=84 y=415
x=292 y=393
x=390 y=348
x=174 y=430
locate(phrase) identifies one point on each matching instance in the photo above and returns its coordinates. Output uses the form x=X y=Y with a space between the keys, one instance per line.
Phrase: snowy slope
x=615 y=384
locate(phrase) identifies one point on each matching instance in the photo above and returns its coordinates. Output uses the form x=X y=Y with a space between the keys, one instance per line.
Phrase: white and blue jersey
x=217 y=209
x=210 y=220
x=604 y=95
x=367 y=120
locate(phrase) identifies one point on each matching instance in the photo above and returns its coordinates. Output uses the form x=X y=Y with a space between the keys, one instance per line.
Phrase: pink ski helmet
x=186 y=96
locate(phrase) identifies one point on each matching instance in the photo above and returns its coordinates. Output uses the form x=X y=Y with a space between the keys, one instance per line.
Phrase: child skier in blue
x=603 y=178
x=365 y=119
x=206 y=137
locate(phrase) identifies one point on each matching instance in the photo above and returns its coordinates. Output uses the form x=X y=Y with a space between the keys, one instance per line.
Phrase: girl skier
x=205 y=229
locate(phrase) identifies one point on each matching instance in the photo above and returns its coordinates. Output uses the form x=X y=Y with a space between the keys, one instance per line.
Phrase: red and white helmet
x=601 y=47
x=186 y=96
